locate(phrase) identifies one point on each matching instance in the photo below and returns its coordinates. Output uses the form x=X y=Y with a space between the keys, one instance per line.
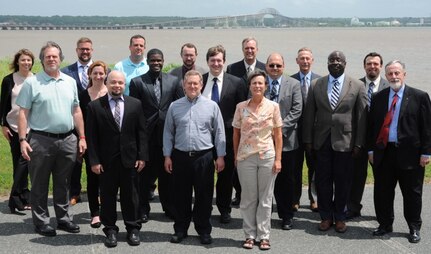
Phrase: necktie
x=335 y=94
x=273 y=95
x=117 y=113
x=214 y=92
x=157 y=90
x=84 y=77
x=382 y=139
x=304 y=88
x=248 y=69
x=370 y=92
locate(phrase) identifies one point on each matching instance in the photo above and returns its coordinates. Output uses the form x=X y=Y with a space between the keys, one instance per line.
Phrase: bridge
x=265 y=18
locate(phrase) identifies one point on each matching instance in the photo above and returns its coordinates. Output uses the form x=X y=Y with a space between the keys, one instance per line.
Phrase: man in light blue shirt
x=134 y=65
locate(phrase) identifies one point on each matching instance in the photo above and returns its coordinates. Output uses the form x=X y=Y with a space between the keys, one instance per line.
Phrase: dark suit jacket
x=6 y=98
x=72 y=70
x=414 y=126
x=142 y=88
x=106 y=142
x=238 y=69
x=178 y=72
x=233 y=92
x=346 y=123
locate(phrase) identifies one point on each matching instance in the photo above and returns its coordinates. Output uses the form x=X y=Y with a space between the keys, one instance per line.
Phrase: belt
x=52 y=135
x=194 y=153
x=393 y=144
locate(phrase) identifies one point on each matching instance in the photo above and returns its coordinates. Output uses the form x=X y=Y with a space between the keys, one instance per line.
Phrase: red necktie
x=382 y=139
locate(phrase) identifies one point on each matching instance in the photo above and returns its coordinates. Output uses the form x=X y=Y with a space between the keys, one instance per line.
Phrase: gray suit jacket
x=346 y=124
x=290 y=103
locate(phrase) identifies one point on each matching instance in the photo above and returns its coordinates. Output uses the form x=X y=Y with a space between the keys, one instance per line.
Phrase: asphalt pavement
x=17 y=233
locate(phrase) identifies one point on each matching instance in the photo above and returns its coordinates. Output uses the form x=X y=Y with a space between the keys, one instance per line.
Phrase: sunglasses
x=275 y=65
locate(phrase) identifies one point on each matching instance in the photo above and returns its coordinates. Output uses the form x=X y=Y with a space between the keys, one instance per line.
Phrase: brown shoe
x=325 y=225
x=313 y=207
x=74 y=200
x=340 y=226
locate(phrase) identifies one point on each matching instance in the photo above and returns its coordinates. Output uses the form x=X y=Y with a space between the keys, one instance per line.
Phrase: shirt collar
x=376 y=82
x=219 y=77
x=253 y=65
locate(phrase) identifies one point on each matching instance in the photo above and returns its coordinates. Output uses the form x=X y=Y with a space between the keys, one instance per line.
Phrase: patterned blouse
x=257 y=128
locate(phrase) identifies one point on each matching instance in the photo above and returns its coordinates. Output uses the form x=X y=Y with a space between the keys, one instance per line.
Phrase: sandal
x=264 y=244
x=248 y=243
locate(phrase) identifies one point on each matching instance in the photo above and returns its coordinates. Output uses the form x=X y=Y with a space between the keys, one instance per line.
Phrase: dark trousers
x=92 y=189
x=386 y=176
x=193 y=174
x=284 y=185
x=75 y=180
x=225 y=183
x=360 y=172
x=117 y=176
x=20 y=194
x=333 y=180
x=300 y=155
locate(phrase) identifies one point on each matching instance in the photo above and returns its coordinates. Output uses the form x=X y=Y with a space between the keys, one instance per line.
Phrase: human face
x=51 y=60
x=305 y=60
x=216 y=63
x=25 y=63
x=257 y=86
x=250 y=51
x=84 y=52
x=116 y=83
x=336 y=64
x=372 y=67
x=98 y=74
x=137 y=48
x=192 y=86
x=189 y=56
x=396 y=75
x=275 y=66
x=155 y=62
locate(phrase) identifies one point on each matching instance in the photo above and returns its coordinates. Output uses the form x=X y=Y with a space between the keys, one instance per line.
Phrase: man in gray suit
x=188 y=53
x=334 y=127
x=287 y=92
x=373 y=63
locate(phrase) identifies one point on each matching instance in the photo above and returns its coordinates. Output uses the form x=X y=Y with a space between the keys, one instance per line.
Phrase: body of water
x=408 y=44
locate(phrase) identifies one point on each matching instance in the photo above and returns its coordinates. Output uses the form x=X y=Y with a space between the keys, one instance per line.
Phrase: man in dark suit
x=117 y=141
x=240 y=69
x=373 y=64
x=334 y=127
x=188 y=53
x=286 y=91
x=399 y=143
x=227 y=91
x=304 y=76
x=78 y=71
x=156 y=90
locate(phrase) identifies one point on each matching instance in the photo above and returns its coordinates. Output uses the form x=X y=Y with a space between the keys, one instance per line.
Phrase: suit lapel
x=346 y=87
x=148 y=85
x=405 y=101
x=226 y=86
x=105 y=104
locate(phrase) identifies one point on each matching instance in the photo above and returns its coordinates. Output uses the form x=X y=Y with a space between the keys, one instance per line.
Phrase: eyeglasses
x=275 y=65
x=85 y=49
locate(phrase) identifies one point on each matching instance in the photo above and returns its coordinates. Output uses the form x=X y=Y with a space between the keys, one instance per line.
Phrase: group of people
x=250 y=124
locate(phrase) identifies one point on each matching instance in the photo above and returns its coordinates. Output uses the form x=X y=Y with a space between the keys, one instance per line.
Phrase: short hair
x=193 y=73
x=256 y=73
x=273 y=54
x=216 y=50
x=154 y=52
x=137 y=36
x=50 y=44
x=374 y=54
x=83 y=40
x=94 y=65
x=305 y=49
x=395 y=62
x=247 y=39
x=188 y=45
x=14 y=66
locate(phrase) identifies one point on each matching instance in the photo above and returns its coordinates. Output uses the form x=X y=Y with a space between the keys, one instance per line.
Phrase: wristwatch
x=22 y=139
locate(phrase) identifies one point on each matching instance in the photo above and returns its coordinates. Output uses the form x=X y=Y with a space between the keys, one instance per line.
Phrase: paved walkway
x=17 y=234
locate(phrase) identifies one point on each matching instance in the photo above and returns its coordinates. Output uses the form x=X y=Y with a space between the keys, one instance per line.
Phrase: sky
x=210 y=8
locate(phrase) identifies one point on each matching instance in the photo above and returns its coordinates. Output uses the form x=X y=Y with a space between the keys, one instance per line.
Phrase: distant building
x=355 y=22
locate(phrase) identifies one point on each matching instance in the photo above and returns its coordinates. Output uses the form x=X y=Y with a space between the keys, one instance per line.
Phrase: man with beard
x=399 y=142
x=156 y=91
x=334 y=129
x=373 y=63
x=188 y=53
x=79 y=71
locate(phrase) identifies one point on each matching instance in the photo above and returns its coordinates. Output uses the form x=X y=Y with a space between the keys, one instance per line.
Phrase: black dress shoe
x=144 y=218
x=151 y=196
x=206 y=238
x=414 y=236
x=381 y=230
x=178 y=237
x=111 y=240
x=133 y=238
x=45 y=230
x=286 y=224
x=236 y=201
x=350 y=215
x=68 y=227
x=225 y=218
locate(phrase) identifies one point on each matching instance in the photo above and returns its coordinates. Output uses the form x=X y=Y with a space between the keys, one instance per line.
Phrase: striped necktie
x=84 y=77
x=117 y=113
x=370 y=92
x=273 y=95
x=304 y=88
x=382 y=139
x=335 y=94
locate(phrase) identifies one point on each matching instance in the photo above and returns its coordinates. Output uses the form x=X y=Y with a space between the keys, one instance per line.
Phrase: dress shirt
x=376 y=84
x=194 y=125
x=330 y=84
x=394 y=124
x=301 y=75
x=252 y=66
x=270 y=85
x=112 y=106
x=207 y=92
x=84 y=67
